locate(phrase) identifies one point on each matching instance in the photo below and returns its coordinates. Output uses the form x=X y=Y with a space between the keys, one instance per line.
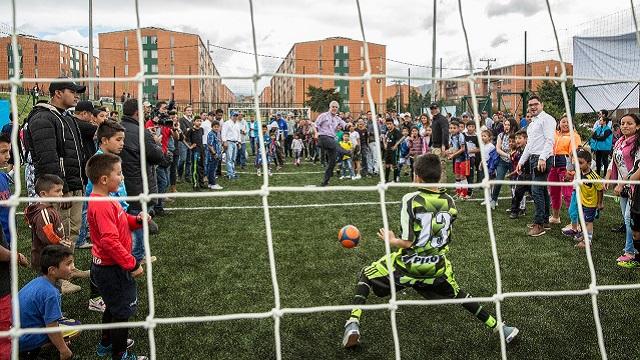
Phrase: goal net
x=266 y=190
x=266 y=113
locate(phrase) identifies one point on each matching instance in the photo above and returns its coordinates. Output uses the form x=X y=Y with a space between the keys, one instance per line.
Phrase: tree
x=318 y=99
x=550 y=93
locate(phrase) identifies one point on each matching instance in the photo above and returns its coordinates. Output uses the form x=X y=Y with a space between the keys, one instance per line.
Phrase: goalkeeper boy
x=420 y=262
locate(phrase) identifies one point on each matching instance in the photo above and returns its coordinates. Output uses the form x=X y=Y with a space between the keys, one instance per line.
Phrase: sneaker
x=625 y=257
x=215 y=187
x=513 y=215
x=351 y=336
x=554 y=220
x=493 y=204
x=97 y=304
x=66 y=287
x=568 y=227
x=629 y=264
x=341 y=177
x=128 y=355
x=102 y=350
x=152 y=258
x=570 y=232
x=510 y=332
x=483 y=203
x=79 y=274
x=354 y=178
x=84 y=245
x=546 y=226
x=536 y=230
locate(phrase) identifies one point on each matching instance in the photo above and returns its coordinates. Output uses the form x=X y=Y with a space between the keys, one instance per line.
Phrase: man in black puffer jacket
x=55 y=145
x=131 y=169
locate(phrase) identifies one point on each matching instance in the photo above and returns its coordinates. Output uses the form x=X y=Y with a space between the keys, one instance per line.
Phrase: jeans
x=602 y=160
x=137 y=238
x=625 y=207
x=211 y=170
x=328 y=146
x=84 y=226
x=287 y=146
x=372 y=160
x=253 y=141
x=174 y=168
x=241 y=158
x=183 y=157
x=232 y=151
x=347 y=165
x=162 y=174
x=503 y=168
x=541 y=198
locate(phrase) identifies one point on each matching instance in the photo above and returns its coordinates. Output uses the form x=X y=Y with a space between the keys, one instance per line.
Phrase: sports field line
x=281 y=173
x=292 y=206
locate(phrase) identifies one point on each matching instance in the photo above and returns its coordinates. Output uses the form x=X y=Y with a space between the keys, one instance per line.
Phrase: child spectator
x=47 y=229
x=416 y=147
x=591 y=196
x=214 y=154
x=518 y=202
x=390 y=143
x=194 y=139
x=114 y=267
x=267 y=146
x=562 y=152
x=504 y=164
x=404 y=151
x=458 y=153
x=354 y=136
x=489 y=156
x=421 y=261
x=5 y=180
x=473 y=149
x=297 y=146
x=40 y=304
x=347 y=163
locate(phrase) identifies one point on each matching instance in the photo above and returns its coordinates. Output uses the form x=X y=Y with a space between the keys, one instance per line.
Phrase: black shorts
x=390 y=157
x=118 y=289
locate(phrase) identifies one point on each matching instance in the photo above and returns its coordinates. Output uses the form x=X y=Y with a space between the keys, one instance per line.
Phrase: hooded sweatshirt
x=46 y=229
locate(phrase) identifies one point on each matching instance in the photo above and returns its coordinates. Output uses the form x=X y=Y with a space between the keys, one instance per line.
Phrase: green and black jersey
x=426 y=218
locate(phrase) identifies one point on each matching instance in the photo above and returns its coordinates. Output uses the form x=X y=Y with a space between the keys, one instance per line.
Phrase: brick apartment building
x=44 y=59
x=165 y=52
x=401 y=90
x=454 y=91
x=331 y=56
x=226 y=96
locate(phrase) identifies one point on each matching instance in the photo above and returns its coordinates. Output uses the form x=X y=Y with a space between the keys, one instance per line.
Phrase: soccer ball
x=349 y=236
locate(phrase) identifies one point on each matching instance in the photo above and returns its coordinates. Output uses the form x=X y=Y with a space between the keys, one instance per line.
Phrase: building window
x=154 y=54
x=546 y=70
x=126 y=55
x=172 y=55
x=154 y=68
x=173 y=68
x=345 y=49
x=173 y=82
x=154 y=82
x=61 y=60
x=144 y=40
x=171 y=41
x=126 y=70
x=126 y=42
x=361 y=64
x=154 y=40
x=555 y=70
x=61 y=48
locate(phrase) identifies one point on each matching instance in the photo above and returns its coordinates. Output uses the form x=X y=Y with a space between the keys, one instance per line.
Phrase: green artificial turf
x=214 y=262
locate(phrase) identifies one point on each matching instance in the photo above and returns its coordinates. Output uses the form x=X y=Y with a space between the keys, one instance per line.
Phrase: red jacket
x=110 y=228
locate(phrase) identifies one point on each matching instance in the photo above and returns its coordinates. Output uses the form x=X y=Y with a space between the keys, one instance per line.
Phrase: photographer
x=162 y=126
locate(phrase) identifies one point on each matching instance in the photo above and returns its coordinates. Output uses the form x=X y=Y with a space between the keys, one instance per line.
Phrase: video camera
x=163 y=118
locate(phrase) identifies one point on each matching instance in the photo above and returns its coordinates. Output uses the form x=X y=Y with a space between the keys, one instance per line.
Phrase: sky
x=495 y=28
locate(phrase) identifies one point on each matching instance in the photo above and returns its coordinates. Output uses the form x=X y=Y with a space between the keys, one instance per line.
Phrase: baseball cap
x=465 y=114
x=84 y=105
x=434 y=106
x=66 y=85
x=233 y=113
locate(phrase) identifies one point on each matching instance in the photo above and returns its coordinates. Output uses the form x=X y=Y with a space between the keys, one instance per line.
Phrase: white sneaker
x=97 y=304
x=354 y=178
x=341 y=177
x=215 y=187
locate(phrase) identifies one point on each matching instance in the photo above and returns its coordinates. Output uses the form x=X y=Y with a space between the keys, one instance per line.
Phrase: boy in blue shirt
x=40 y=304
x=5 y=190
x=214 y=154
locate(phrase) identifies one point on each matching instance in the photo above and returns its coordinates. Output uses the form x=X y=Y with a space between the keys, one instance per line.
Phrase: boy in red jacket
x=114 y=267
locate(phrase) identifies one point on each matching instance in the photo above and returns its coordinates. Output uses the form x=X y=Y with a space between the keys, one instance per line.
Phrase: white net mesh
x=265 y=190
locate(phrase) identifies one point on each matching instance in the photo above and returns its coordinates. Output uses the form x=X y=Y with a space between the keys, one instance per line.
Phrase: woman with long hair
x=504 y=164
x=625 y=156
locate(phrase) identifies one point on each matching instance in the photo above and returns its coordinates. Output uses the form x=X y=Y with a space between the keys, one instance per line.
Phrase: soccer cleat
x=351 y=336
x=625 y=257
x=570 y=232
x=84 y=245
x=66 y=287
x=97 y=304
x=102 y=350
x=510 y=332
x=633 y=264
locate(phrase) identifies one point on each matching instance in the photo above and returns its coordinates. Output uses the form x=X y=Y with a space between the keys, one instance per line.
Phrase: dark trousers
x=519 y=193
x=473 y=169
x=173 y=170
x=287 y=146
x=602 y=161
x=197 y=170
x=328 y=148
x=541 y=198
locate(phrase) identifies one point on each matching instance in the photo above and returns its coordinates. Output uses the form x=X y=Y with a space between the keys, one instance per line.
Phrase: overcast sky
x=495 y=27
